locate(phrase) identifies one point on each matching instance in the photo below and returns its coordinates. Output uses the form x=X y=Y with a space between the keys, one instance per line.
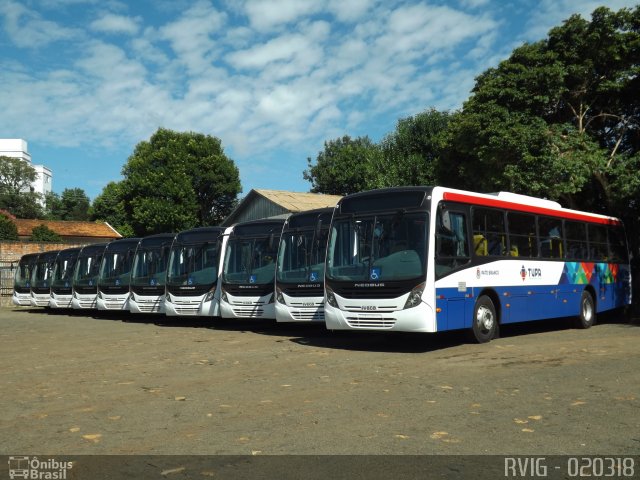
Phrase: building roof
x=277 y=203
x=299 y=201
x=68 y=228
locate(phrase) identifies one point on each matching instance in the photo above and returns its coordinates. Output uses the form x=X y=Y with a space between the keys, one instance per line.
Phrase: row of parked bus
x=419 y=259
x=209 y=271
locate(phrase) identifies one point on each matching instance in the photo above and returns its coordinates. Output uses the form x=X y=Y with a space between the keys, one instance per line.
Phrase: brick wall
x=12 y=251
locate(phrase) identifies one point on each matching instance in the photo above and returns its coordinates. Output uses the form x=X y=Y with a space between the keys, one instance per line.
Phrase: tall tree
x=345 y=166
x=73 y=204
x=559 y=118
x=16 y=195
x=109 y=207
x=178 y=180
x=412 y=151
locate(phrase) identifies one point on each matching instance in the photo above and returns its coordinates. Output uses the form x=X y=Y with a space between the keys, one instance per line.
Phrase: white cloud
x=551 y=13
x=191 y=36
x=350 y=10
x=265 y=15
x=111 y=23
x=27 y=29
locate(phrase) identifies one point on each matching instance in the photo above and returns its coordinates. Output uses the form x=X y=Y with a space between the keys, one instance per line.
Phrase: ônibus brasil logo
x=33 y=468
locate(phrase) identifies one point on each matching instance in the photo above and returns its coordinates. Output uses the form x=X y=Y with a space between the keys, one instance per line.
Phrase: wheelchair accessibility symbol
x=375 y=274
x=313 y=277
x=252 y=279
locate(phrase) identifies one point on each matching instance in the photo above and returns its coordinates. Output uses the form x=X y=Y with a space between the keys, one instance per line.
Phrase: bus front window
x=250 y=261
x=193 y=265
x=378 y=248
x=301 y=256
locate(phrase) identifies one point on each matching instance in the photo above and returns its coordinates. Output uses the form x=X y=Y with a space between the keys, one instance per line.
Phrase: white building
x=17 y=148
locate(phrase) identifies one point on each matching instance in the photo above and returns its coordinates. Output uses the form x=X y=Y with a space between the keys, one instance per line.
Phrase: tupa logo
x=523 y=273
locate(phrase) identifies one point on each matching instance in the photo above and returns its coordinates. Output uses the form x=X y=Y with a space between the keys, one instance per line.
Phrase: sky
x=84 y=81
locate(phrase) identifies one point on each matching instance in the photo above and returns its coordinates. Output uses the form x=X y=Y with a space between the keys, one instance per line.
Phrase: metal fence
x=7 y=271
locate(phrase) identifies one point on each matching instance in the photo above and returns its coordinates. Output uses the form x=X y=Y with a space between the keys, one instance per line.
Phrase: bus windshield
x=42 y=272
x=378 y=248
x=63 y=271
x=193 y=264
x=86 y=271
x=115 y=269
x=301 y=256
x=150 y=265
x=250 y=260
x=23 y=272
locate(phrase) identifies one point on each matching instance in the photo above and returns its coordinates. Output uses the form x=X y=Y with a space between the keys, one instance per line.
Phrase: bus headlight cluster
x=415 y=296
x=279 y=296
x=209 y=296
x=331 y=298
x=224 y=296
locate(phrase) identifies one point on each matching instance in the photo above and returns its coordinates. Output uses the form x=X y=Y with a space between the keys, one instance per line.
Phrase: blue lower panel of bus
x=527 y=303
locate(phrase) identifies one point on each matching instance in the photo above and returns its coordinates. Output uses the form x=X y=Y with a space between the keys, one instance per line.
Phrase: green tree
x=16 y=195
x=559 y=118
x=346 y=166
x=412 y=152
x=73 y=204
x=42 y=233
x=8 y=229
x=178 y=180
x=109 y=207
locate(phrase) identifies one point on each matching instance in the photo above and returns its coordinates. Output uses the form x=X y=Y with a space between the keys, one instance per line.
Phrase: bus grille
x=248 y=312
x=378 y=322
x=309 y=314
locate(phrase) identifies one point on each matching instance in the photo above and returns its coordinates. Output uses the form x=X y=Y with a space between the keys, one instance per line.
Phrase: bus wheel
x=485 y=320
x=587 y=315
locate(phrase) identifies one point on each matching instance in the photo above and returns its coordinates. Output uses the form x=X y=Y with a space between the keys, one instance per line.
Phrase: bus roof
x=156 y=240
x=197 y=235
x=309 y=218
x=265 y=226
x=92 y=249
x=69 y=252
x=526 y=204
x=122 y=245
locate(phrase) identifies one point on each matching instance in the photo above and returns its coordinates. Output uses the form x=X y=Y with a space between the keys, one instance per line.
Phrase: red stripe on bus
x=491 y=202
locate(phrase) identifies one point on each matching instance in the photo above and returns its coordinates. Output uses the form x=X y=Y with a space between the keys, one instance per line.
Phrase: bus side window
x=522 y=235
x=489 y=233
x=452 y=249
x=576 y=240
x=598 y=249
x=551 y=244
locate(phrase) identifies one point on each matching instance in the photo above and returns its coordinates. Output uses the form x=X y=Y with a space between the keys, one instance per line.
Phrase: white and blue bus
x=148 y=274
x=41 y=278
x=62 y=279
x=300 y=267
x=85 y=276
x=249 y=269
x=115 y=274
x=431 y=259
x=192 y=273
x=22 y=280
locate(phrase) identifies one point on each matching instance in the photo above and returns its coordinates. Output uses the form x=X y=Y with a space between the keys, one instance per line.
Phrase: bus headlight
x=224 y=296
x=209 y=296
x=279 y=296
x=272 y=298
x=415 y=296
x=331 y=298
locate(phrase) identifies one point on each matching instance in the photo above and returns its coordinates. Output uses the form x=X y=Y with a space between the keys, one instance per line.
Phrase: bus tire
x=485 y=320
x=587 y=313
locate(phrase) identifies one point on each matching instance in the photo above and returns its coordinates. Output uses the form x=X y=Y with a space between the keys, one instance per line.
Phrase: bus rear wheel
x=587 y=314
x=485 y=320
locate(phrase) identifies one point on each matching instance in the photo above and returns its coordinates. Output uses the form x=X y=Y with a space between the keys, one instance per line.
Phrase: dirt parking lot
x=74 y=384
